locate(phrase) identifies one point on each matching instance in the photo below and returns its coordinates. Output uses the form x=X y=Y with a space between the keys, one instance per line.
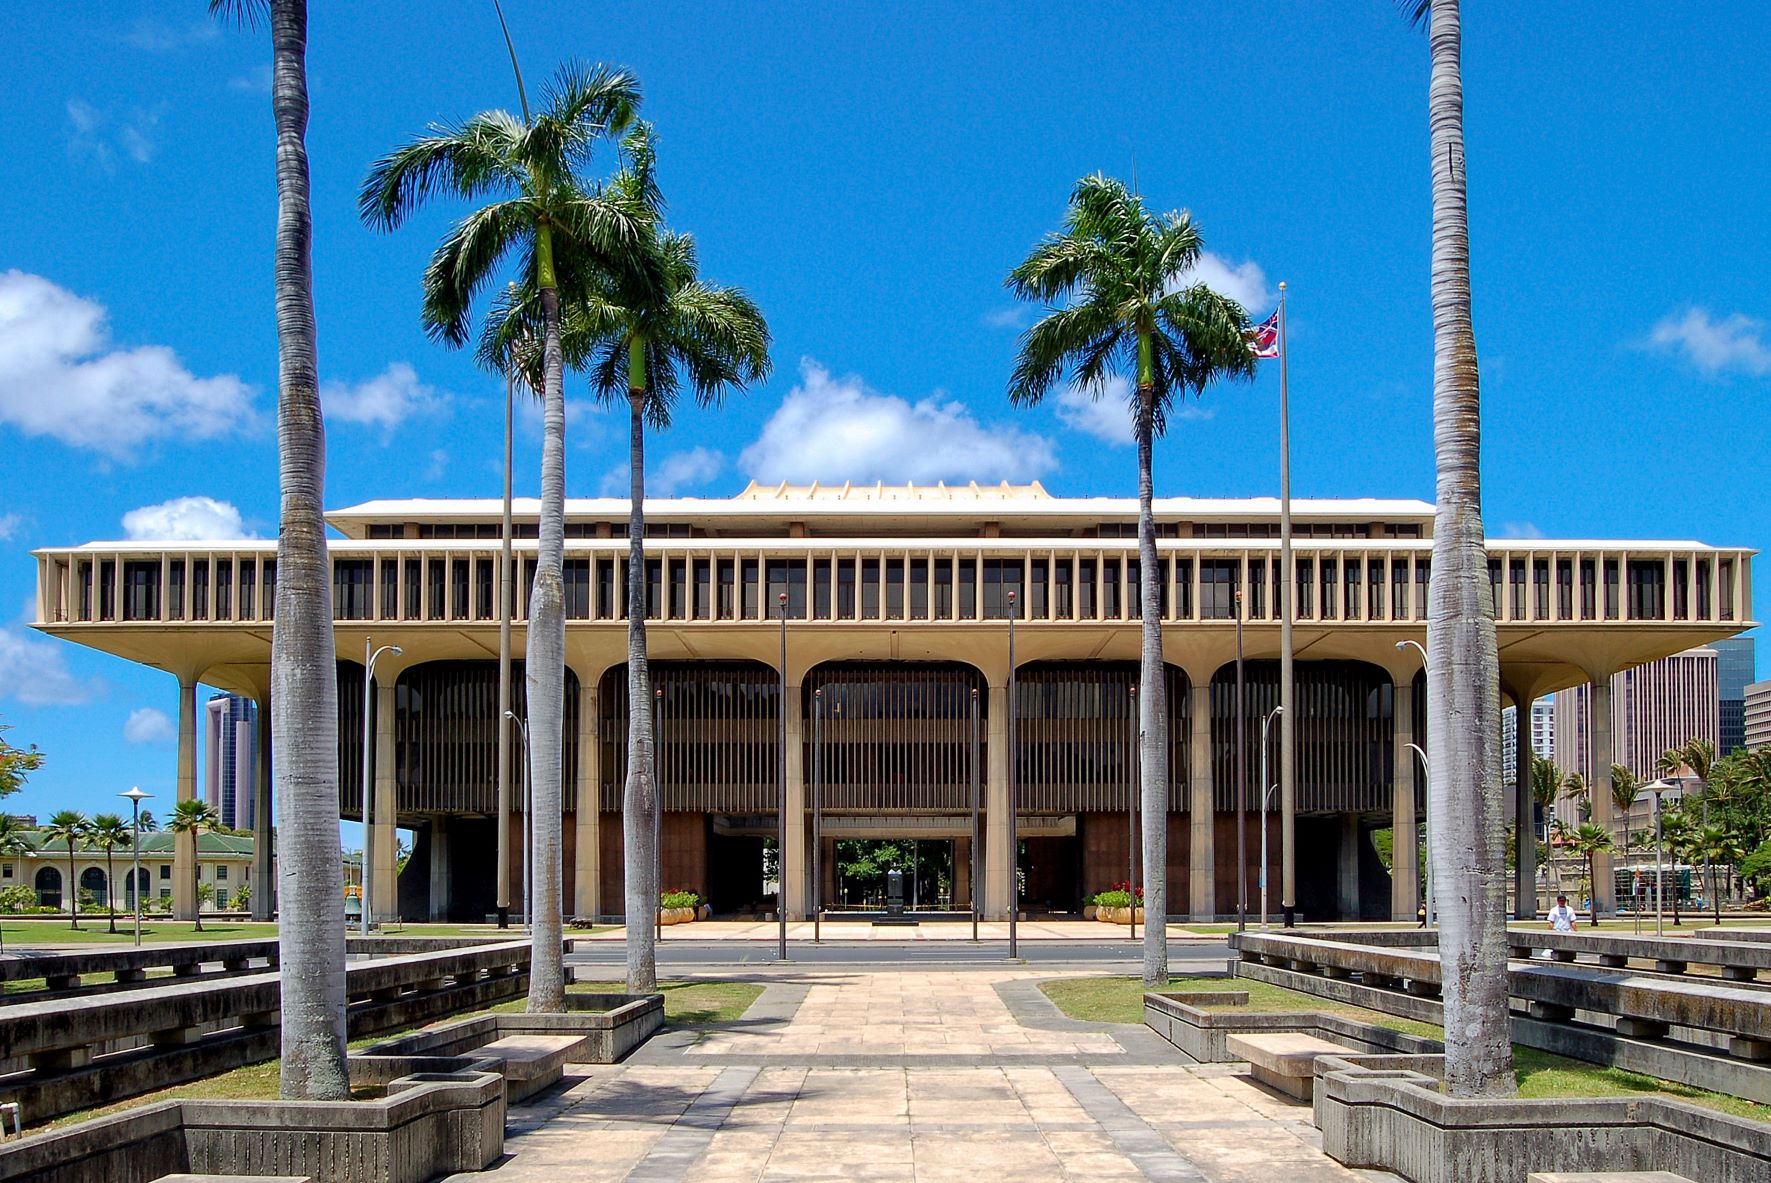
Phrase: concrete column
x=587 y=858
x=242 y=774
x=1347 y=869
x=1404 y=849
x=184 y=846
x=962 y=872
x=827 y=870
x=441 y=896
x=1202 y=815
x=382 y=841
x=796 y=859
x=264 y=876
x=998 y=859
x=1599 y=730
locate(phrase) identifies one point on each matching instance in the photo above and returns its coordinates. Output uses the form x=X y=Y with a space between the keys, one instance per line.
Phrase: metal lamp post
x=1658 y=787
x=818 y=815
x=976 y=884
x=781 y=813
x=528 y=813
x=136 y=797
x=1131 y=839
x=1241 y=781
x=1014 y=804
x=657 y=812
x=370 y=656
x=1266 y=792
x=1427 y=784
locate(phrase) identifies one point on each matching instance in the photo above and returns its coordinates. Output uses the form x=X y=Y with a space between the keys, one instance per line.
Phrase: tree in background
x=304 y=654
x=556 y=224
x=1589 y=840
x=196 y=817
x=1713 y=843
x=1625 y=789
x=1677 y=828
x=16 y=764
x=1117 y=306
x=70 y=826
x=109 y=832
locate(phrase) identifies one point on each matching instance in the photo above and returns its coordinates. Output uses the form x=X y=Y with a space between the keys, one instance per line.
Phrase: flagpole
x=1287 y=594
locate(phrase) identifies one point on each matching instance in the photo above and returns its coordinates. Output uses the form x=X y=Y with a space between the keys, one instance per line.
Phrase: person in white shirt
x=1562 y=916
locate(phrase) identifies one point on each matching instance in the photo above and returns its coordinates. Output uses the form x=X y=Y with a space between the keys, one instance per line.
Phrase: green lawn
x=1540 y=1074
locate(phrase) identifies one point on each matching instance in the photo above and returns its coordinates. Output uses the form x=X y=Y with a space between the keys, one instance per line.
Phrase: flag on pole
x=1263 y=339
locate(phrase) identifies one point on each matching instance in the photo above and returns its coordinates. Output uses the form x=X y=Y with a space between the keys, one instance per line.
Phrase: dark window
x=175 y=589
x=1423 y=579
x=1257 y=589
x=224 y=589
x=351 y=592
x=1183 y=589
x=869 y=589
x=1681 y=590
x=1063 y=604
x=1611 y=589
x=248 y=573
x=919 y=589
x=1306 y=607
x=968 y=588
x=823 y=590
x=1002 y=576
x=1647 y=590
x=1374 y=589
x=1217 y=589
x=751 y=572
x=577 y=577
x=1399 y=589
x=484 y=580
x=678 y=582
x=726 y=584
x=458 y=594
x=1540 y=589
x=436 y=583
x=1565 y=589
x=1038 y=603
x=845 y=589
x=1497 y=575
x=1328 y=588
x=1085 y=589
x=1726 y=592
x=141 y=591
x=787 y=575
x=1111 y=600
x=85 y=577
x=1705 y=606
x=894 y=589
x=702 y=609
x=390 y=588
x=107 y=590
x=1353 y=600
x=1589 y=590
x=414 y=589
x=654 y=588
x=1516 y=580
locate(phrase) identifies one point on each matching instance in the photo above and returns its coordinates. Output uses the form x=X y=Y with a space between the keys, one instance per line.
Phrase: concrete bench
x=235 y=1179
x=1285 y=1060
x=530 y=1062
x=1738 y=961
x=1605 y=1177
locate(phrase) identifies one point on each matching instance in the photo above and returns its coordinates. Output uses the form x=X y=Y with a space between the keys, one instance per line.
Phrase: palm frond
x=1418 y=13
x=465 y=262
x=244 y=13
x=579 y=105
x=470 y=160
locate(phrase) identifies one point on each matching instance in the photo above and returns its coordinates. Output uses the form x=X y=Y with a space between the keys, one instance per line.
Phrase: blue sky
x=870 y=173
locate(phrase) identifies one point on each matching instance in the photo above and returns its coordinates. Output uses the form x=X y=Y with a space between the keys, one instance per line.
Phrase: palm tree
x=1588 y=840
x=147 y=823
x=194 y=817
x=1546 y=783
x=108 y=833
x=70 y=826
x=1113 y=281
x=304 y=655
x=1576 y=788
x=1463 y=674
x=557 y=226
x=1676 y=830
x=1625 y=789
x=1714 y=844
x=643 y=342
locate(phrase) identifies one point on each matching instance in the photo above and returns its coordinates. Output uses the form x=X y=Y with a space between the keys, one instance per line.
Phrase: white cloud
x=385 y=401
x=158 y=37
x=147 y=725
x=1106 y=413
x=1243 y=282
x=94 y=137
x=34 y=672
x=439 y=464
x=1519 y=530
x=1733 y=344
x=1013 y=316
x=669 y=476
x=9 y=524
x=185 y=519
x=60 y=377
x=837 y=429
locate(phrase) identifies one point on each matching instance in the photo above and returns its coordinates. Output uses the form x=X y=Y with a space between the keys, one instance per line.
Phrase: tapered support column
x=1202 y=816
x=587 y=854
x=383 y=840
x=1404 y=846
x=962 y=872
x=827 y=871
x=1599 y=790
x=441 y=875
x=264 y=878
x=184 y=846
x=1347 y=875
x=796 y=860
x=998 y=835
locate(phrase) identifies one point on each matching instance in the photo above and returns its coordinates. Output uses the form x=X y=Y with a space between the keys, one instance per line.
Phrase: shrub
x=1118 y=896
x=679 y=899
x=243 y=898
x=18 y=898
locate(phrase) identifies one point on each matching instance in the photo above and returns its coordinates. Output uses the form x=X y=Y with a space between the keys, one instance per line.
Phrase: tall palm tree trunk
x=110 y=891
x=304 y=670
x=197 y=885
x=544 y=662
x=1152 y=711
x=1464 y=671
x=73 y=890
x=640 y=803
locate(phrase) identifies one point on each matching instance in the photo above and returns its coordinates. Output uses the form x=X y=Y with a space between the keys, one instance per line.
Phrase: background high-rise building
x=1758 y=715
x=1653 y=707
x=1543 y=734
x=231 y=739
x=1734 y=671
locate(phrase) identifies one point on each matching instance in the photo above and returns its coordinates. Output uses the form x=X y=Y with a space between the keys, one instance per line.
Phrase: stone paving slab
x=1048 y=1099
x=1092 y=931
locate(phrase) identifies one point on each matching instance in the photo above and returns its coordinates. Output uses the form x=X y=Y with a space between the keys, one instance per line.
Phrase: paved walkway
x=969 y=1075
x=934 y=930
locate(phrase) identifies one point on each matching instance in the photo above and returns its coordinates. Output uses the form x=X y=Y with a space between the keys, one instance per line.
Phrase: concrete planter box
x=1181 y=1019
x=671 y=916
x=1119 y=916
x=429 y=1124
x=1388 y=1114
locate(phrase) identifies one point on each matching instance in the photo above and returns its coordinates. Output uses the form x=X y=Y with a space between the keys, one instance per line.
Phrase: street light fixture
x=370 y=656
x=136 y=797
x=528 y=813
x=1266 y=792
x=781 y=807
x=1426 y=782
x=1014 y=804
